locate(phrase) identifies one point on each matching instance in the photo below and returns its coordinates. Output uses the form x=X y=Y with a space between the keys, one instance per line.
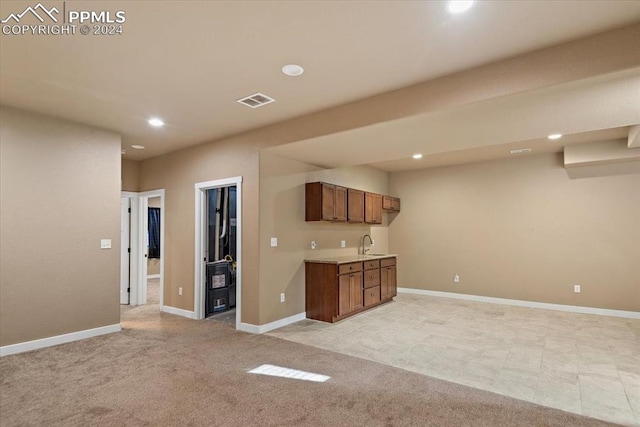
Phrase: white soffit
x=633 y=140
x=589 y=105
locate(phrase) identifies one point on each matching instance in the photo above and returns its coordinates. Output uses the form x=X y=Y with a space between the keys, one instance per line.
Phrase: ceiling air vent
x=520 y=151
x=256 y=100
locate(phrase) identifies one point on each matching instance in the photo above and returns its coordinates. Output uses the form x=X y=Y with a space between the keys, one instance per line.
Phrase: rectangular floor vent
x=256 y=100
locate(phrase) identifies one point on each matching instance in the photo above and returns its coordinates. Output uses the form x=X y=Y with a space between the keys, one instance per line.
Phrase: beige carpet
x=166 y=370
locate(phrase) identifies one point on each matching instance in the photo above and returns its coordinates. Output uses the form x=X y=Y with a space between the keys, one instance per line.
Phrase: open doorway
x=220 y=253
x=153 y=249
x=149 y=280
x=218 y=280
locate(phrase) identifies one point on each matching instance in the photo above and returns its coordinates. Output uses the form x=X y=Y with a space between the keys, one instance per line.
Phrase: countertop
x=345 y=259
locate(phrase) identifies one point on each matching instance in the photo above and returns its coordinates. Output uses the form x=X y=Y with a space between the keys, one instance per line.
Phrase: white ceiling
x=188 y=61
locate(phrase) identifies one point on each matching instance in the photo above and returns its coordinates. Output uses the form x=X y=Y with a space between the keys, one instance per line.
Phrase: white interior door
x=125 y=248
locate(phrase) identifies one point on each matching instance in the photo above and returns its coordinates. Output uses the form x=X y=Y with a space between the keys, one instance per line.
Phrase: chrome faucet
x=364 y=251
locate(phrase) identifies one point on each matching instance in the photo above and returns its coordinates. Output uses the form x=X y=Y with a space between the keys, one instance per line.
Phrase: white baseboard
x=261 y=329
x=521 y=303
x=178 y=312
x=58 y=339
x=153 y=276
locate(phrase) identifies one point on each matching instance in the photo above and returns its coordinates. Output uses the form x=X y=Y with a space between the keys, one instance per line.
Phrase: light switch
x=274 y=242
x=105 y=244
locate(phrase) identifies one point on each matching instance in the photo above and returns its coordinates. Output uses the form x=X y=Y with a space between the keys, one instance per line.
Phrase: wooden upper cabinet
x=330 y=202
x=326 y=202
x=390 y=203
x=340 y=204
x=355 y=205
x=372 y=208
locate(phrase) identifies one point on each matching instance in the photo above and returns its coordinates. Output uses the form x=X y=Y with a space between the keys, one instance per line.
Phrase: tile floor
x=580 y=363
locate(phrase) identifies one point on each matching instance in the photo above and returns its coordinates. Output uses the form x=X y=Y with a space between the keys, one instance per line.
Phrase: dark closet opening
x=220 y=256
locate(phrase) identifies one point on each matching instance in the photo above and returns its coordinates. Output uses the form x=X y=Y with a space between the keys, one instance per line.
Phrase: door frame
x=140 y=294
x=125 y=249
x=200 y=241
x=133 y=242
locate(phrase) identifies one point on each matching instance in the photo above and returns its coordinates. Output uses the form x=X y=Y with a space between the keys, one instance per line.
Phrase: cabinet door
x=340 y=204
x=377 y=209
x=393 y=284
x=387 y=203
x=388 y=287
x=350 y=295
x=328 y=202
x=390 y=203
x=355 y=286
x=355 y=205
x=384 y=282
x=344 y=294
x=372 y=208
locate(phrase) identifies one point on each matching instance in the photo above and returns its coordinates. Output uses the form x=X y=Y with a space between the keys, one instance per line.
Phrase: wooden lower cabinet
x=371 y=296
x=388 y=283
x=388 y=286
x=336 y=291
x=349 y=293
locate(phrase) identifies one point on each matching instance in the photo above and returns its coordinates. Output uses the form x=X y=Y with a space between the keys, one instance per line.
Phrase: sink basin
x=376 y=254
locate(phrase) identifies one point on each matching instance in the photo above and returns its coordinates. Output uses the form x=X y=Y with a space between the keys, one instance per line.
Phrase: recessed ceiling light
x=459 y=6
x=521 y=151
x=156 y=122
x=555 y=136
x=138 y=147
x=292 y=70
x=417 y=156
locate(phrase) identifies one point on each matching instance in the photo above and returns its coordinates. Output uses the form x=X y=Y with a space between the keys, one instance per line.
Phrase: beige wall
x=177 y=173
x=153 y=264
x=239 y=155
x=282 y=195
x=130 y=175
x=60 y=191
x=520 y=229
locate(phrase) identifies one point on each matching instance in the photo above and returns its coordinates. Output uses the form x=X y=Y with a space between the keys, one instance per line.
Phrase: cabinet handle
x=372 y=276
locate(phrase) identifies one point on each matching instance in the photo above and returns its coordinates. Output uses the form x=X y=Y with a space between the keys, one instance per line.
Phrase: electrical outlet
x=105 y=244
x=274 y=242
x=343 y=243
x=282 y=297
x=576 y=289
x=180 y=291
x=313 y=244
x=456 y=278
